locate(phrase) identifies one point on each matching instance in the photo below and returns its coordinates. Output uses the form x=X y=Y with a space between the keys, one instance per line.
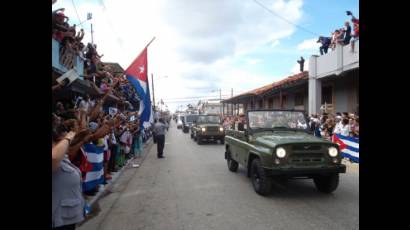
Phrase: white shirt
x=113 y=139
x=85 y=105
x=345 y=130
x=125 y=137
x=106 y=143
x=338 y=128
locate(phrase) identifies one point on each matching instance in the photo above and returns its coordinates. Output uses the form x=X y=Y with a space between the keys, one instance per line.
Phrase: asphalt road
x=193 y=189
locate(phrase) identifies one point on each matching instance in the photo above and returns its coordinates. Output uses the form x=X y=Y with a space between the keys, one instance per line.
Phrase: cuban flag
x=348 y=145
x=95 y=156
x=137 y=75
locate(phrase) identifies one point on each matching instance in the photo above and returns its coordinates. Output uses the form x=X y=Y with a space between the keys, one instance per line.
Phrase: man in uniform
x=159 y=130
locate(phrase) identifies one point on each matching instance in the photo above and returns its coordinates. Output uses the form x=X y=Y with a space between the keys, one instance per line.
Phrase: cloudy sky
x=204 y=46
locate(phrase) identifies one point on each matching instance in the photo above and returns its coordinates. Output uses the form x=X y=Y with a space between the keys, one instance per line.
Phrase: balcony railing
x=64 y=59
x=338 y=61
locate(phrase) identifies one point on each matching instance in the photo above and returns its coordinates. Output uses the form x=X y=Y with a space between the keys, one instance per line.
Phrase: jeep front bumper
x=211 y=136
x=305 y=171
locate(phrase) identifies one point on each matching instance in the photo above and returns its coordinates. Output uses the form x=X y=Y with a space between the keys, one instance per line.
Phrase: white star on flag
x=141 y=69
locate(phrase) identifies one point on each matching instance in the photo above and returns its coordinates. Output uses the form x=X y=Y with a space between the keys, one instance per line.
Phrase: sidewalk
x=351 y=166
x=104 y=189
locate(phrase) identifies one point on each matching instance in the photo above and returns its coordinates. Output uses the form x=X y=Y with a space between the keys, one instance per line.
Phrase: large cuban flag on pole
x=137 y=75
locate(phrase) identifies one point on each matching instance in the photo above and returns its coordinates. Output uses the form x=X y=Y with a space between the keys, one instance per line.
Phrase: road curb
x=106 y=189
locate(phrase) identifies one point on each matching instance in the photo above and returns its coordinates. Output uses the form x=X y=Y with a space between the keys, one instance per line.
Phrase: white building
x=334 y=81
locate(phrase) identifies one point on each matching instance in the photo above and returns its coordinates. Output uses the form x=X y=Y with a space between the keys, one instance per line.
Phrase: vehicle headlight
x=221 y=129
x=203 y=129
x=280 y=152
x=333 y=152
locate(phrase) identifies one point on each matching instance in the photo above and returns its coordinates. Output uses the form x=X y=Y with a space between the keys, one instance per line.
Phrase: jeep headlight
x=203 y=129
x=221 y=129
x=280 y=152
x=332 y=151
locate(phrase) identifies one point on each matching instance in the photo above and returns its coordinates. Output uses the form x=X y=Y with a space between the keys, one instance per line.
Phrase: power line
x=119 y=40
x=284 y=19
x=78 y=17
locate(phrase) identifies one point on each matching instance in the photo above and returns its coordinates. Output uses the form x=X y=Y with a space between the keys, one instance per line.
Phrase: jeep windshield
x=191 y=118
x=209 y=119
x=277 y=120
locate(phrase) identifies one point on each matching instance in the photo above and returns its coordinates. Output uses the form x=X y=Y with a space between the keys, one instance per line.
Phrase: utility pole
x=232 y=104
x=153 y=91
x=220 y=101
x=92 y=39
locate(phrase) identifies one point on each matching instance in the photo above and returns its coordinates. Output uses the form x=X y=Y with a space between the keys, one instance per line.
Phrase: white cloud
x=253 y=61
x=196 y=41
x=309 y=44
x=275 y=43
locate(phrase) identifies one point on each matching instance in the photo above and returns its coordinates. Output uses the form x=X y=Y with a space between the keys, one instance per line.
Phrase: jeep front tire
x=260 y=181
x=326 y=183
x=232 y=164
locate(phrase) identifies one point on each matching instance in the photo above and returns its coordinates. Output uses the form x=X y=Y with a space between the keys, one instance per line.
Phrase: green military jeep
x=208 y=127
x=276 y=145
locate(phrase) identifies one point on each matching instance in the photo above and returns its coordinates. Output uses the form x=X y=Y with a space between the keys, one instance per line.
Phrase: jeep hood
x=287 y=137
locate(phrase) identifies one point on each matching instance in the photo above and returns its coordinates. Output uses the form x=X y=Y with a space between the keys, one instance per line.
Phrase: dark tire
x=192 y=136
x=198 y=140
x=232 y=164
x=260 y=181
x=222 y=141
x=327 y=183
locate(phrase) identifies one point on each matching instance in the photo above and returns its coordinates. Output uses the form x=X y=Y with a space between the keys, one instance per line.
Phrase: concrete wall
x=337 y=61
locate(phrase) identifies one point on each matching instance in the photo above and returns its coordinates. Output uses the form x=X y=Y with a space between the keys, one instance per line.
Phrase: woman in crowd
x=354 y=127
x=67 y=200
x=137 y=140
x=345 y=128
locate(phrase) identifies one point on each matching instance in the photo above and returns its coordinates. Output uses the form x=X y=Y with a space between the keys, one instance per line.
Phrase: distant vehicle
x=277 y=145
x=188 y=121
x=208 y=128
x=180 y=122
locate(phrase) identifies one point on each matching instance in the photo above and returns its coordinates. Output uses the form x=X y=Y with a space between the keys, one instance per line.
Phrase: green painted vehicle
x=208 y=128
x=277 y=146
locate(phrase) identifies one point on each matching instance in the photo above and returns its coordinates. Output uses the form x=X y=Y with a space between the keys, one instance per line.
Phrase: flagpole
x=149 y=43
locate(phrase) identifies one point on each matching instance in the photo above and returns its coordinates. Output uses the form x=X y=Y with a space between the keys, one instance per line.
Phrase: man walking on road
x=159 y=130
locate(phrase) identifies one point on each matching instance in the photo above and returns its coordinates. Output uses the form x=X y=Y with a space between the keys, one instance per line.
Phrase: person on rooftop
x=325 y=41
x=355 y=22
x=301 y=63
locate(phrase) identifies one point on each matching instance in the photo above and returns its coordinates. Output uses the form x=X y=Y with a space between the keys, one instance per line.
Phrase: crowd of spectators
x=91 y=138
x=342 y=36
x=346 y=124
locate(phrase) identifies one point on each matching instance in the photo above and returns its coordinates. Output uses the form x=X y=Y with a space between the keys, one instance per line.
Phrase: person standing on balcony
x=348 y=33
x=355 y=22
x=325 y=41
x=301 y=63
